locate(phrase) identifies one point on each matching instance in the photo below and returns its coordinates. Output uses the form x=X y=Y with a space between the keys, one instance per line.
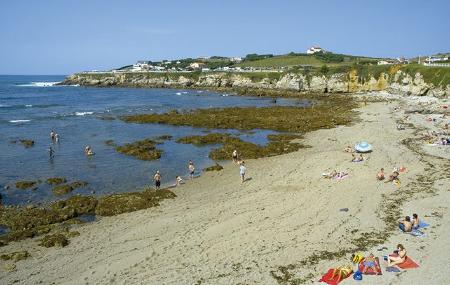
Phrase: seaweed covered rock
x=214 y=138
x=57 y=239
x=216 y=167
x=128 y=202
x=62 y=189
x=25 y=184
x=15 y=256
x=56 y=180
x=27 y=143
x=75 y=206
x=144 y=149
x=78 y=184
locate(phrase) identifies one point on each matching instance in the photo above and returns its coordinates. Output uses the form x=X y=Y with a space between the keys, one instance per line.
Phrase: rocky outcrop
x=350 y=82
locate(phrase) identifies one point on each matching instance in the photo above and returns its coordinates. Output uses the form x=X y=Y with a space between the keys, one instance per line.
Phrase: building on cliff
x=314 y=49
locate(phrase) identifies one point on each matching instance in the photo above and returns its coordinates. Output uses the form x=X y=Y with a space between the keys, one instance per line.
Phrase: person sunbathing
x=406 y=225
x=380 y=175
x=393 y=176
x=357 y=158
x=415 y=222
x=341 y=272
x=330 y=175
x=348 y=149
x=370 y=262
x=399 y=257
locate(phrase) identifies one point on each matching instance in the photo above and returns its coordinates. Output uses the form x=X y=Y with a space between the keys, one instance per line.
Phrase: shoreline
x=264 y=231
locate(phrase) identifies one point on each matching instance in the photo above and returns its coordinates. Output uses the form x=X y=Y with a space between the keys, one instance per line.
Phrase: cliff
x=393 y=80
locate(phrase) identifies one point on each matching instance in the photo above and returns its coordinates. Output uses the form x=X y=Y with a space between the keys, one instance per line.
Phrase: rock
x=62 y=189
x=15 y=256
x=25 y=184
x=54 y=240
x=56 y=180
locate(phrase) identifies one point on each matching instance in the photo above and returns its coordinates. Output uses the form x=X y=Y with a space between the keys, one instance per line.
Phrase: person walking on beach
x=235 y=156
x=191 y=168
x=157 y=179
x=242 y=170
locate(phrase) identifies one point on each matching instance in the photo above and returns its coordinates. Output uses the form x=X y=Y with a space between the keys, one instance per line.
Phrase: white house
x=196 y=65
x=235 y=59
x=384 y=62
x=315 y=49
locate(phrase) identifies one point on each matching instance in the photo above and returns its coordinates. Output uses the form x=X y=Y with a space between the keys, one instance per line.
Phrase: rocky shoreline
x=398 y=82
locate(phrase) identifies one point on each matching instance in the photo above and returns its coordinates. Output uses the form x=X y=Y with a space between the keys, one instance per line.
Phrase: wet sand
x=219 y=231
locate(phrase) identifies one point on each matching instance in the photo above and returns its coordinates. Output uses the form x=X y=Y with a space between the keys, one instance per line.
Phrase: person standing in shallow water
x=52 y=135
x=51 y=152
x=157 y=179
x=191 y=168
x=242 y=170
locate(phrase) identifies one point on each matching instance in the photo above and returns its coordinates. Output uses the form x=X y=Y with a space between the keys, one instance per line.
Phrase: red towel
x=332 y=281
x=409 y=263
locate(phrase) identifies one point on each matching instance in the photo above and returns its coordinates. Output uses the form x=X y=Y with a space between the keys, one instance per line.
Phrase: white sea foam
x=83 y=113
x=3 y=106
x=39 y=84
x=19 y=121
x=28 y=106
x=178 y=93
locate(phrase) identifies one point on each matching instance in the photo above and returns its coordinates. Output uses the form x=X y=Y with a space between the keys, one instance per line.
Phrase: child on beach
x=178 y=180
x=235 y=156
x=380 y=175
x=242 y=170
x=191 y=168
x=415 y=222
x=157 y=179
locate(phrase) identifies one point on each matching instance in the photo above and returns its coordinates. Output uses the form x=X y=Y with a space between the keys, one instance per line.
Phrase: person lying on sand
x=415 y=222
x=380 y=175
x=369 y=262
x=393 y=176
x=399 y=258
x=341 y=272
x=406 y=225
x=357 y=158
x=348 y=149
x=330 y=175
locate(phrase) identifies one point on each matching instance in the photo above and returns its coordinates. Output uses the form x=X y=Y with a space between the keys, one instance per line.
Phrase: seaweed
x=216 y=167
x=15 y=256
x=324 y=113
x=278 y=144
x=57 y=239
x=78 y=184
x=25 y=184
x=56 y=180
x=62 y=189
x=128 y=202
x=144 y=149
x=27 y=143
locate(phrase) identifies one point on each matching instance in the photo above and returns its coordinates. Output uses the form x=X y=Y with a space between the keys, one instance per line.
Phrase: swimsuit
x=158 y=183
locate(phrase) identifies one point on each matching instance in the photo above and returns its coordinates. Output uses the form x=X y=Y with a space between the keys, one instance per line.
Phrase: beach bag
x=357 y=276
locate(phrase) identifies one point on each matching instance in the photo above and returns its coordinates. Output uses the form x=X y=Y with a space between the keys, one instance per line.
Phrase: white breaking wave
x=3 y=106
x=83 y=113
x=28 y=106
x=39 y=84
x=178 y=93
x=19 y=121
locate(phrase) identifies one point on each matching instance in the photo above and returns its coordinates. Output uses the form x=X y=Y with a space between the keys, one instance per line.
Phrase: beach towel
x=392 y=269
x=423 y=225
x=327 y=278
x=408 y=264
x=371 y=271
x=417 y=233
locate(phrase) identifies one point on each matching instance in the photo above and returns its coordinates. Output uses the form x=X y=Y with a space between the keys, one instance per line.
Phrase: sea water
x=32 y=106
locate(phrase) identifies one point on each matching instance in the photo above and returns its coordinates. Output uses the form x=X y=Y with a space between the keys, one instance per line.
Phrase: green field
x=283 y=60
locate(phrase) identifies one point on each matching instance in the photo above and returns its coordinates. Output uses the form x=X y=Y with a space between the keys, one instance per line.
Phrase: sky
x=62 y=37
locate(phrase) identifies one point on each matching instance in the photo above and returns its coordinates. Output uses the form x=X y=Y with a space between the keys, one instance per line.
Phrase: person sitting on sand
x=242 y=170
x=178 y=181
x=399 y=257
x=415 y=222
x=370 y=262
x=443 y=141
x=157 y=179
x=235 y=156
x=406 y=225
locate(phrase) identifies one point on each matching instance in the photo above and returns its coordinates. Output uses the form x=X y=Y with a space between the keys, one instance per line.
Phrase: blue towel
x=417 y=233
x=392 y=269
x=422 y=224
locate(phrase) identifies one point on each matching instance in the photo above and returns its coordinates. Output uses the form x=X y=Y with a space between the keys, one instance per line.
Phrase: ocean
x=32 y=106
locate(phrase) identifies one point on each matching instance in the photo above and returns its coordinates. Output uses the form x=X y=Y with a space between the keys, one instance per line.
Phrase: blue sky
x=61 y=37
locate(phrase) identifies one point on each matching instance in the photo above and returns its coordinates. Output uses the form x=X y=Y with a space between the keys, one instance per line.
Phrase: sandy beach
x=284 y=225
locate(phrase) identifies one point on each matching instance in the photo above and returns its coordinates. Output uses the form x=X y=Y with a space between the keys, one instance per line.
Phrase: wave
x=83 y=113
x=15 y=107
x=178 y=93
x=39 y=84
x=19 y=121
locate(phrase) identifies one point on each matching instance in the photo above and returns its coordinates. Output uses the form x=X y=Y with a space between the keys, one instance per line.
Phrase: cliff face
x=349 y=82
